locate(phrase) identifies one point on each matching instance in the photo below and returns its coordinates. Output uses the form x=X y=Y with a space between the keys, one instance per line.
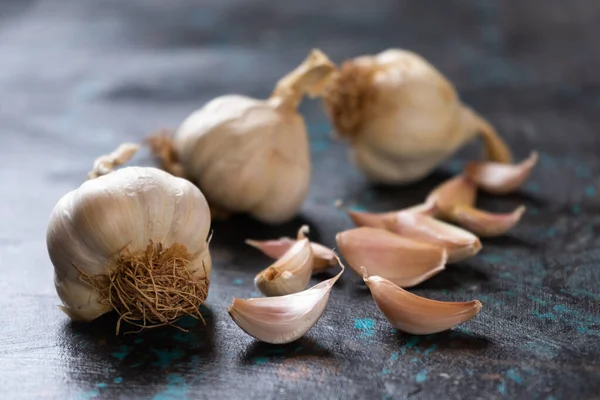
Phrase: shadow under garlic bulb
x=250 y=155
x=133 y=241
x=402 y=117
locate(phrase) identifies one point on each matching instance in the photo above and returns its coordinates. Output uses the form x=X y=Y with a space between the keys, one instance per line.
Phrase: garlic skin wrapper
x=289 y=274
x=498 y=178
x=135 y=241
x=402 y=117
x=283 y=319
x=414 y=314
x=404 y=261
x=323 y=257
x=249 y=155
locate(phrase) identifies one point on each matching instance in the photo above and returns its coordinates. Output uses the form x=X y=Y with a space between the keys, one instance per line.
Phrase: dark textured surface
x=79 y=77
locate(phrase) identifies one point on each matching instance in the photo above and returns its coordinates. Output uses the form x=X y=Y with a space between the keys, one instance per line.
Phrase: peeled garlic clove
x=499 y=178
x=290 y=274
x=282 y=319
x=404 y=261
x=249 y=155
x=402 y=117
x=486 y=224
x=458 y=191
x=458 y=243
x=414 y=314
x=323 y=257
x=133 y=241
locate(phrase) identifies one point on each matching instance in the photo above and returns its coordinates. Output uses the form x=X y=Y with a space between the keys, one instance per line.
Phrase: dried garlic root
x=133 y=241
x=283 y=319
x=414 y=314
x=402 y=117
x=249 y=155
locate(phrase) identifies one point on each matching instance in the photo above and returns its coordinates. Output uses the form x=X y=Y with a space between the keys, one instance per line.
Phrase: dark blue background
x=79 y=77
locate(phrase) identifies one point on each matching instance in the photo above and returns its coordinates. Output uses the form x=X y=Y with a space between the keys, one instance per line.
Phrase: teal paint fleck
x=577 y=209
x=455 y=166
x=431 y=349
x=590 y=191
x=394 y=356
x=504 y=275
x=138 y=340
x=118 y=379
x=166 y=358
x=90 y=394
x=493 y=258
x=533 y=211
x=101 y=385
x=581 y=292
x=319 y=145
x=122 y=353
x=187 y=322
x=469 y=371
x=385 y=371
x=176 y=389
x=414 y=360
x=276 y=350
x=552 y=397
x=547 y=315
x=551 y=232
x=514 y=376
x=394 y=330
x=298 y=349
x=501 y=388
x=238 y=281
x=537 y=300
x=421 y=376
x=532 y=187
x=365 y=325
x=560 y=308
x=358 y=208
x=260 y=360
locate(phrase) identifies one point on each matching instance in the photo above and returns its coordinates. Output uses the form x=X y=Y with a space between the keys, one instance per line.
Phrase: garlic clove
x=497 y=178
x=486 y=224
x=373 y=220
x=283 y=319
x=323 y=257
x=289 y=274
x=414 y=314
x=404 y=261
x=457 y=191
x=459 y=243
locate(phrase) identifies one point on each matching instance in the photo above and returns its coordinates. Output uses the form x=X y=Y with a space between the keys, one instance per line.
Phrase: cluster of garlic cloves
x=249 y=155
x=323 y=258
x=402 y=117
x=283 y=319
x=414 y=314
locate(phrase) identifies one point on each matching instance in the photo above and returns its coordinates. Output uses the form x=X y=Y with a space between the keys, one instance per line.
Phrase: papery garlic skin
x=126 y=209
x=402 y=117
x=252 y=156
x=283 y=319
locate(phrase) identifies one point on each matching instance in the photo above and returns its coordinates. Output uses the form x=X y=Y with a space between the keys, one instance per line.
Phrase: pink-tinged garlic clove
x=414 y=314
x=404 y=261
x=459 y=243
x=499 y=179
x=272 y=248
x=486 y=224
x=458 y=191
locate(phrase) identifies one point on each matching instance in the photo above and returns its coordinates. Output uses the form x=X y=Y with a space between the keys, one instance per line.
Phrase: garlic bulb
x=283 y=319
x=414 y=314
x=404 y=261
x=289 y=274
x=498 y=178
x=249 y=155
x=133 y=241
x=402 y=117
x=323 y=257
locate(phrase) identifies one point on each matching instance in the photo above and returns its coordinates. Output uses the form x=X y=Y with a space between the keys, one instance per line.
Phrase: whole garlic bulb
x=402 y=117
x=135 y=241
x=249 y=155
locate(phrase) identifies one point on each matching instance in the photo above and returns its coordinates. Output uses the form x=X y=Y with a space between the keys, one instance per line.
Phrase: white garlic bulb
x=249 y=155
x=135 y=241
x=402 y=117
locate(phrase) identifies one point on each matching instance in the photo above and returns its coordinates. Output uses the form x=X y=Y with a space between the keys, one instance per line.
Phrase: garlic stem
x=107 y=163
x=495 y=148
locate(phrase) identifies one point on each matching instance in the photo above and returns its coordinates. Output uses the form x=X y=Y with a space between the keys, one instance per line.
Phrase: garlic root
x=414 y=314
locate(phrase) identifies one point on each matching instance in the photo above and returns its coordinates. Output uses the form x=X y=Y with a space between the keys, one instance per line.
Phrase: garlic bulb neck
x=311 y=77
